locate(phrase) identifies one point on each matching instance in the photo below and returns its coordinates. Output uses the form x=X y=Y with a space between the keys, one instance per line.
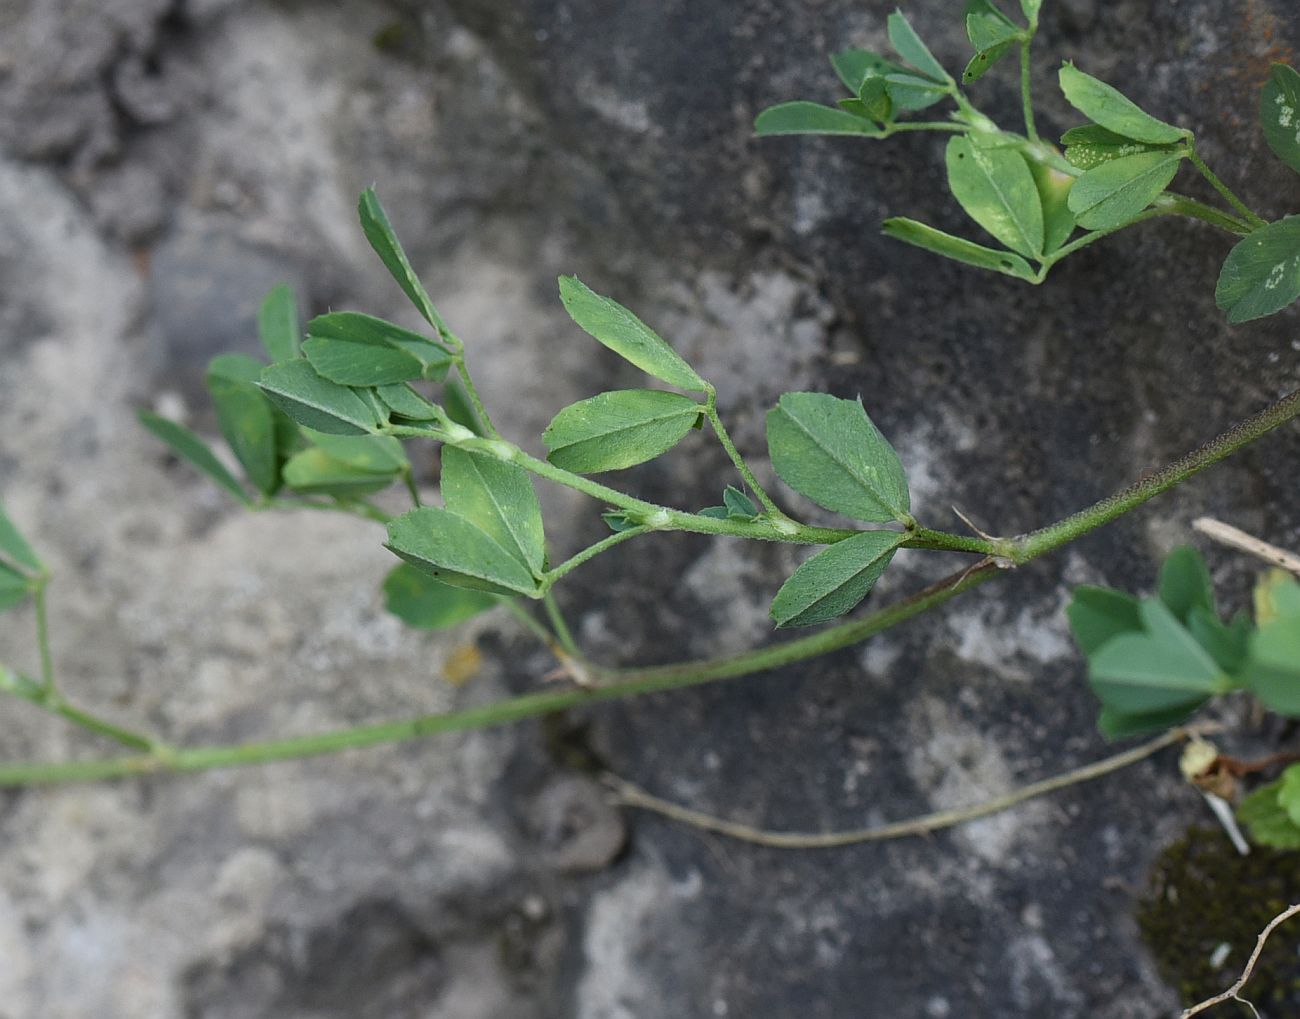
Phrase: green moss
x=1204 y=894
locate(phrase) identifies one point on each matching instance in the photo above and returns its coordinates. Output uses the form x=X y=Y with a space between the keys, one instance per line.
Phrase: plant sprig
x=1043 y=204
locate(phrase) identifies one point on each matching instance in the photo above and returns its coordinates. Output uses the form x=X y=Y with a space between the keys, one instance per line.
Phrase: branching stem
x=608 y=684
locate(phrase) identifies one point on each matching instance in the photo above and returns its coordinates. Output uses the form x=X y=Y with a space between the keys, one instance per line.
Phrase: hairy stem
x=590 y=552
x=1030 y=546
x=560 y=625
x=711 y=412
x=632 y=682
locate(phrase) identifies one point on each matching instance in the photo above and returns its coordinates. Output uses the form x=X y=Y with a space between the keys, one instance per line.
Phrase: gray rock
x=166 y=163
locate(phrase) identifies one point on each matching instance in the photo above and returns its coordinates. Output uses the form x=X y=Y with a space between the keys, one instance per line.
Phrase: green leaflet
x=1097 y=615
x=1114 y=724
x=1160 y=669
x=913 y=92
x=14 y=549
x=854 y=66
x=828 y=449
x=1184 y=584
x=1272 y=667
x=874 y=100
x=619 y=429
x=353 y=349
x=1116 y=191
x=1031 y=8
x=1090 y=145
x=315 y=472
x=379 y=232
x=499 y=498
x=426 y=604
x=460 y=408
x=997 y=190
x=188 y=446
x=405 y=402
x=802 y=117
x=1006 y=262
x=1269 y=821
x=246 y=418
x=833 y=581
x=991 y=34
x=909 y=46
x=1111 y=109
x=453 y=550
x=14 y=587
x=1261 y=274
x=626 y=335
x=1279 y=114
x=375 y=454
x=315 y=402
x=277 y=323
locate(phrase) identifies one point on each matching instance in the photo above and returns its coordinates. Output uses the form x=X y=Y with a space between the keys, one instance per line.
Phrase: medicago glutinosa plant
x=324 y=420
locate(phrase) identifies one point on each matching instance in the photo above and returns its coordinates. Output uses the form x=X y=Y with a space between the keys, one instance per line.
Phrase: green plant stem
x=353 y=508
x=616 y=683
x=941 y=541
x=628 y=683
x=902 y=126
x=590 y=552
x=560 y=625
x=711 y=412
x=1090 y=238
x=475 y=400
x=1223 y=189
x=1026 y=97
x=409 y=478
x=1036 y=543
x=49 y=699
x=1173 y=203
x=662 y=518
x=43 y=638
x=525 y=617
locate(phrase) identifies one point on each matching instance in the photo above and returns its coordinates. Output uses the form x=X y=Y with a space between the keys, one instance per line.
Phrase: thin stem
x=1222 y=188
x=1233 y=993
x=43 y=638
x=1036 y=543
x=630 y=683
x=631 y=795
x=720 y=430
x=1181 y=205
x=922 y=125
x=1096 y=235
x=409 y=478
x=634 y=682
x=525 y=617
x=49 y=699
x=475 y=400
x=942 y=541
x=560 y=625
x=1026 y=99
x=662 y=518
x=590 y=552
x=353 y=508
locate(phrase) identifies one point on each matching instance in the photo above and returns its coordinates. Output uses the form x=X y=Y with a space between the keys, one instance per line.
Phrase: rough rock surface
x=163 y=162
